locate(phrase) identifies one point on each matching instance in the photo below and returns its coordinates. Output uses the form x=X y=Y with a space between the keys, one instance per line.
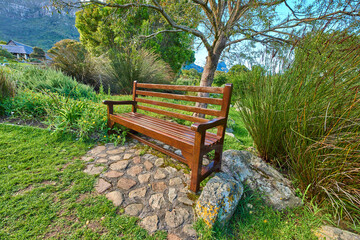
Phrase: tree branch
x=159 y=32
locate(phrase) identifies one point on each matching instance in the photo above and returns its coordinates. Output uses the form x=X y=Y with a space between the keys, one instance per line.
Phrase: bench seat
x=158 y=128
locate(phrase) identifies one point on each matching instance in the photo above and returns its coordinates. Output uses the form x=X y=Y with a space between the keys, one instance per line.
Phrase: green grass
x=45 y=194
x=254 y=220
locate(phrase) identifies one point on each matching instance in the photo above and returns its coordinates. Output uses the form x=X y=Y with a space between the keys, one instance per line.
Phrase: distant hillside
x=31 y=23
x=221 y=67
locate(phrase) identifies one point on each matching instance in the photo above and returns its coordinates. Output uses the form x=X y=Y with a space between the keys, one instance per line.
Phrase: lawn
x=45 y=194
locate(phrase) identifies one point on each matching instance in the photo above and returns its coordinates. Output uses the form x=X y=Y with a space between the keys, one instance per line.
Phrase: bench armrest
x=200 y=127
x=110 y=102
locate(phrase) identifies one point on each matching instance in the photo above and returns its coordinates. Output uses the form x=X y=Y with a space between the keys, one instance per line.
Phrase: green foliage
x=102 y=29
x=141 y=65
x=47 y=79
x=307 y=120
x=45 y=193
x=5 y=54
x=38 y=53
x=188 y=77
x=7 y=86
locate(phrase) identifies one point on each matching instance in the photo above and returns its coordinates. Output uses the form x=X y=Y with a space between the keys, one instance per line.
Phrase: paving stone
x=92 y=170
x=140 y=193
x=120 y=165
x=97 y=150
x=115 y=151
x=131 y=150
x=149 y=157
x=150 y=223
x=102 y=155
x=125 y=183
x=144 y=178
x=157 y=201
x=87 y=158
x=138 y=152
x=172 y=194
x=115 y=158
x=148 y=165
x=175 y=181
x=137 y=160
x=113 y=174
x=102 y=185
x=176 y=217
x=171 y=170
x=172 y=236
x=116 y=197
x=159 y=174
x=134 y=209
x=159 y=186
x=185 y=201
x=159 y=162
x=189 y=230
x=101 y=160
x=127 y=156
x=135 y=170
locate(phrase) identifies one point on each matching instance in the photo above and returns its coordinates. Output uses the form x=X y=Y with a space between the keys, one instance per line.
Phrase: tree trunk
x=207 y=76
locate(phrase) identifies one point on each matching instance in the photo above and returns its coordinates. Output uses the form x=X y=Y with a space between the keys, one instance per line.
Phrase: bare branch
x=159 y=32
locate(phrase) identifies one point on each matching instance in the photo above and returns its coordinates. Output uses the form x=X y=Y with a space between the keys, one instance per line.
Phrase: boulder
x=251 y=170
x=333 y=233
x=219 y=199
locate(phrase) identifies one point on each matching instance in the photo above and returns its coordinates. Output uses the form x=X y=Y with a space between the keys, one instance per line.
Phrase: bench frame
x=192 y=157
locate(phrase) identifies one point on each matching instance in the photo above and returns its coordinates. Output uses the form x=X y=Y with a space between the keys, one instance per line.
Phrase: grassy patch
x=254 y=220
x=45 y=194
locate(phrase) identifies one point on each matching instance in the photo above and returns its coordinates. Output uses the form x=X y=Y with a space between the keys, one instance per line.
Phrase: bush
x=7 y=87
x=307 y=120
x=38 y=79
x=140 y=65
x=5 y=53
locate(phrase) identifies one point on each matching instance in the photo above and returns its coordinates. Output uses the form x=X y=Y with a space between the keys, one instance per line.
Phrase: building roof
x=27 y=49
x=14 y=49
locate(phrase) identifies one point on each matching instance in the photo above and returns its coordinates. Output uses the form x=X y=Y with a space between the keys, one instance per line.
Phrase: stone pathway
x=145 y=187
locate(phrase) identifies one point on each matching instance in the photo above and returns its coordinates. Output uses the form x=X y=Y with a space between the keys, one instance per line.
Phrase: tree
x=38 y=53
x=102 y=29
x=225 y=22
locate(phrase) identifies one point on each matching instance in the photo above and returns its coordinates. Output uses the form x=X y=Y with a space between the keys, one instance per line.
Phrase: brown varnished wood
x=172 y=114
x=215 y=101
x=182 y=107
x=181 y=88
x=193 y=141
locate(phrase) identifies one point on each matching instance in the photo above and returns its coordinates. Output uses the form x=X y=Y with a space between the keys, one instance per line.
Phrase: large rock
x=259 y=176
x=219 y=199
x=333 y=233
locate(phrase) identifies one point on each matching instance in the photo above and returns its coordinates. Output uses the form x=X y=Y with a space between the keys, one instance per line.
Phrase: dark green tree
x=38 y=53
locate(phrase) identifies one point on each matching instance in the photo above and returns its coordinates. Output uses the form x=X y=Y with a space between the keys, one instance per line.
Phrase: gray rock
x=219 y=199
x=115 y=158
x=92 y=170
x=333 y=233
x=171 y=170
x=113 y=174
x=157 y=201
x=172 y=194
x=140 y=193
x=185 y=201
x=150 y=223
x=159 y=162
x=97 y=150
x=116 y=197
x=259 y=176
x=178 y=152
x=127 y=156
x=144 y=178
x=189 y=230
x=176 y=217
x=125 y=183
x=175 y=181
x=133 y=209
x=159 y=174
x=115 y=151
x=135 y=170
x=148 y=165
x=120 y=165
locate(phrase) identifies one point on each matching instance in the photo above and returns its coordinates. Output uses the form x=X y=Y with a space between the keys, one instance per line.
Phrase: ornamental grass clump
x=7 y=87
x=307 y=120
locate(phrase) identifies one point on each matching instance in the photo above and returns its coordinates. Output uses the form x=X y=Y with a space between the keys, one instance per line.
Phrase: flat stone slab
x=144 y=187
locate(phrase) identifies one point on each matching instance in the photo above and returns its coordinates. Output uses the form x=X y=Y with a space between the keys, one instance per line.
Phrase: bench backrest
x=144 y=89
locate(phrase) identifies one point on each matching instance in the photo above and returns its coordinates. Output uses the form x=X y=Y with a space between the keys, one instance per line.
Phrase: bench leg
x=217 y=159
x=196 y=164
x=110 y=125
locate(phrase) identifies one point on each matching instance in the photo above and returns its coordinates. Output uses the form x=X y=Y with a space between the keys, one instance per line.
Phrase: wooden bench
x=194 y=142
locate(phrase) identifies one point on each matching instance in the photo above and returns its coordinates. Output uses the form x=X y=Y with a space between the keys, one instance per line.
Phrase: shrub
x=47 y=79
x=7 y=87
x=5 y=53
x=307 y=120
x=142 y=65
x=38 y=53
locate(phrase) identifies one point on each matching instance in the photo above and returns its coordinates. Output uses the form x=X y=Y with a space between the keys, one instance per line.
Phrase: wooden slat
x=172 y=114
x=206 y=111
x=181 y=88
x=163 y=150
x=216 y=101
x=171 y=128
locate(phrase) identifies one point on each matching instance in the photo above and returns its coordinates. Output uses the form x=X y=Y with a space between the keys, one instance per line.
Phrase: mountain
x=35 y=23
x=220 y=67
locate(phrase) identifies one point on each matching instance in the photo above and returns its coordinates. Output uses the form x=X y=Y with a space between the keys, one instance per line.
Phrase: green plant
x=7 y=87
x=306 y=120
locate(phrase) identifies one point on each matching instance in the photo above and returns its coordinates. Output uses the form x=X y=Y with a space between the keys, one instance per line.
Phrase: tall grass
x=7 y=87
x=307 y=120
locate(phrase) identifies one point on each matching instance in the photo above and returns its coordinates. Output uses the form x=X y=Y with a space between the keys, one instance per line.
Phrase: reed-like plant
x=7 y=87
x=307 y=120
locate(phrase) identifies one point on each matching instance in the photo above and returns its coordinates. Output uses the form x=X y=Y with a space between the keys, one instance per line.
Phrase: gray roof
x=27 y=49
x=14 y=49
